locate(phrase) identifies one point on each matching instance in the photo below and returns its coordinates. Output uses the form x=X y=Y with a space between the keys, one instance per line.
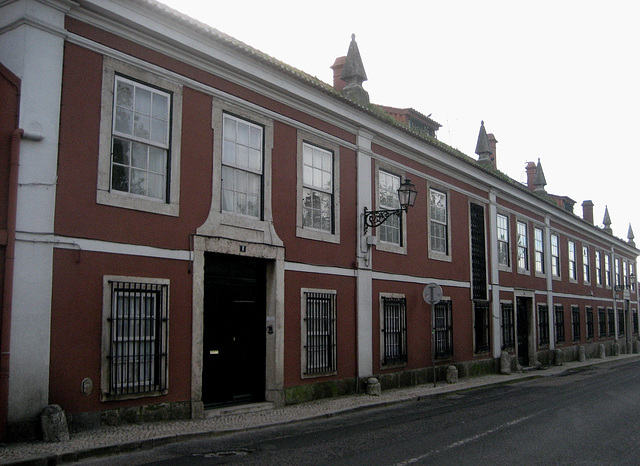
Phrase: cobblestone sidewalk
x=112 y=440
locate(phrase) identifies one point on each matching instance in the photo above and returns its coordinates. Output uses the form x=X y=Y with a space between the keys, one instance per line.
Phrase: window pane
x=139 y=155
x=121 y=149
x=138 y=182
x=157 y=160
x=142 y=126
x=143 y=101
x=123 y=121
x=120 y=178
x=160 y=107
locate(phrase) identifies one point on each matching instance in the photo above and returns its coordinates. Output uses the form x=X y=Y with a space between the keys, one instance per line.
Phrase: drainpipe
x=5 y=321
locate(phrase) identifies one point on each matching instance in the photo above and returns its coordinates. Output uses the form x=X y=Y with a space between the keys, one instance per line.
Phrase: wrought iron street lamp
x=406 y=195
x=627 y=285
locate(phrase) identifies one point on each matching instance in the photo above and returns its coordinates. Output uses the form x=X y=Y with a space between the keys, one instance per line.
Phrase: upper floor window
x=555 y=256
x=502 y=225
x=625 y=276
x=632 y=275
x=139 y=148
x=607 y=271
x=242 y=156
x=391 y=230
x=586 y=269
x=539 y=249
x=523 y=246
x=573 y=273
x=599 y=268
x=616 y=271
x=317 y=193
x=439 y=221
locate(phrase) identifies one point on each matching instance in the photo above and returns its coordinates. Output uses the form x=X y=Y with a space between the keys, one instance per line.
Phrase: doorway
x=523 y=311
x=233 y=364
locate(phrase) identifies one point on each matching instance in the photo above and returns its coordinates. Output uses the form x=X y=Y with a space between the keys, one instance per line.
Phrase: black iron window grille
x=575 y=322
x=620 y=322
x=443 y=330
x=559 y=314
x=481 y=326
x=635 y=322
x=543 y=324
x=589 y=315
x=508 y=335
x=321 y=336
x=602 y=322
x=612 y=321
x=138 y=322
x=394 y=315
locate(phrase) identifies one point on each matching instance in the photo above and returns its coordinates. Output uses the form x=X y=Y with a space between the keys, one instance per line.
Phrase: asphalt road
x=584 y=416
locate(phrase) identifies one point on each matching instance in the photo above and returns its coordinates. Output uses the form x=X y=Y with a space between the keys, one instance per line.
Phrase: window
x=573 y=273
x=635 y=321
x=478 y=253
x=481 y=326
x=139 y=148
x=443 y=330
x=543 y=324
x=575 y=322
x=318 y=187
x=135 y=335
x=438 y=226
x=391 y=230
x=602 y=323
x=242 y=164
x=508 y=335
x=616 y=271
x=394 y=330
x=625 y=276
x=621 y=322
x=607 y=271
x=317 y=179
x=586 y=270
x=539 y=249
x=632 y=275
x=589 y=315
x=319 y=332
x=523 y=246
x=555 y=256
x=503 y=240
x=559 y=315
x=612 y=322
x=598 y=268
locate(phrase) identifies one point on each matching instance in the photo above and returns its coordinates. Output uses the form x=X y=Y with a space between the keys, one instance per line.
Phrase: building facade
x=188 y=230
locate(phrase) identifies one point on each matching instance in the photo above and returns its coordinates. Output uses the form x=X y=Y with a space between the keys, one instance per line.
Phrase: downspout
x=5 y=323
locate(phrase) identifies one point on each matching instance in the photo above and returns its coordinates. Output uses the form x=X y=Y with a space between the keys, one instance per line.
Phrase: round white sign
x=432 y=293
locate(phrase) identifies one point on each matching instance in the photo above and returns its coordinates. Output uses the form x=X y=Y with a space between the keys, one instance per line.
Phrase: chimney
x=531 y=175
x=338 y=65
x=353 y=75
x=587 y=211
x=492 y=143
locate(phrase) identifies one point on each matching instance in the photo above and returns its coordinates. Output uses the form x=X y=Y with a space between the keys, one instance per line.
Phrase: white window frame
x=555 y=257
x=607 y=270
x=434 y=254
x=522 y=241
x=586 y=265
x=385 y=245
x=311 y=233
x=107 y=337
x=572 y=261
x=107 y=196
x=303 y=329
x=599 y=260
x=616 y=271
x=505 y=241
x=538 y=245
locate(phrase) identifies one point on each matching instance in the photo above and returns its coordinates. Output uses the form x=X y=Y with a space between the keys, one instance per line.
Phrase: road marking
x=467 y=440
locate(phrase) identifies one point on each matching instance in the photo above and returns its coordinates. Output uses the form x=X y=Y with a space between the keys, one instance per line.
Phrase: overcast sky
x=555 y=80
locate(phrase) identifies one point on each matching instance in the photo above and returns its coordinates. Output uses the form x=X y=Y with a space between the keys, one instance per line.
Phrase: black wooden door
x=234 y=330
x=523 y=330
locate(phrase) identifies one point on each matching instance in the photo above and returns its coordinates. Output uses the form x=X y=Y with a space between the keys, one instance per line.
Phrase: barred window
x=575 y=322
x=543 y=324
x=394 y=330
x=320 y=315
x=602 y=322
x=635 y=322
x=559 y=315
x=589 y=315
x=443 y=330
x=621 y=322
x=508 y=335
x=137 y=336
x=612 y=321
x=481 y=326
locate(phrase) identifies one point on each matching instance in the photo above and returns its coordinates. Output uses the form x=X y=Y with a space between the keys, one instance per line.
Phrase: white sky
x=557 y=80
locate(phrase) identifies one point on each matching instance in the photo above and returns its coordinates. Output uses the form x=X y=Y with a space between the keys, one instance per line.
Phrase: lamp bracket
x=375 y=218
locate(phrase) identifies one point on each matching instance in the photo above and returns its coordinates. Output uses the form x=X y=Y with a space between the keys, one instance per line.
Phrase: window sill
x=127 y=201
x=106 y=397
x=439 y=256
x=317 y=235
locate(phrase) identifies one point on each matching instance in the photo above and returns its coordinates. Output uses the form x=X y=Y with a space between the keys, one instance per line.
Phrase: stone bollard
x=582 y=354
x=54 y=424
x=557 y=357
x=373 y=387
x=452 y=374
x=602 y=353
x=616 y=349
x=505 y=363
